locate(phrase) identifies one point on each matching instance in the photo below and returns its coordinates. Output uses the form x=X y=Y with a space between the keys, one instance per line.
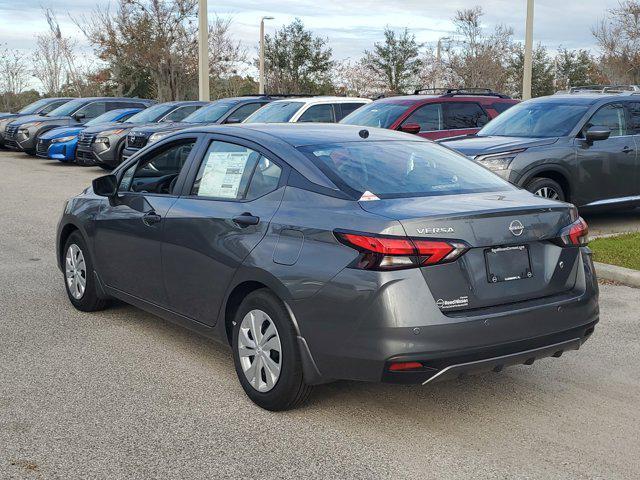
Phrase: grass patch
x=622 y=250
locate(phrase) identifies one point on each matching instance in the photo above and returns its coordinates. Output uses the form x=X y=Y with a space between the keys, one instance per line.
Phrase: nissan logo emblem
x=516 y=228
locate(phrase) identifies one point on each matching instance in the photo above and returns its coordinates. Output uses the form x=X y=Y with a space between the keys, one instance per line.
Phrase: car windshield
x=376 y=114
x=35 y=106
x=401 y=169
x=67 y=108
x=275 y=112
x=536 y=119
x=106 y=117
x=151 y=114
x=211 y=113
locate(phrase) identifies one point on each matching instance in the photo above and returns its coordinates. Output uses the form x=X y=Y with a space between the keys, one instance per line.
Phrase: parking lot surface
x=123 y=394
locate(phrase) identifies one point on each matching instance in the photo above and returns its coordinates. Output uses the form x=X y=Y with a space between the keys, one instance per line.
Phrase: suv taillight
x=379 y=252
x=576 y=234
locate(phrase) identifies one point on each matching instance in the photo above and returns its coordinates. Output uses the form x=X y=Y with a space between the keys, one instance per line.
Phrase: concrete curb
x=626 y=276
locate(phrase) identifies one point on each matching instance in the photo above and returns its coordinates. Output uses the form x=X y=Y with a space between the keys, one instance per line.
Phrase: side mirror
x=410 y=128
x=596 y=133
x=233 y=120
x=105 y=186
x=79 y=116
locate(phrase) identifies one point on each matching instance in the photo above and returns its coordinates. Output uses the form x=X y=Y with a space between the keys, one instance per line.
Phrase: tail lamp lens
x=576 y=234
x=404 y=366
x=392 y=253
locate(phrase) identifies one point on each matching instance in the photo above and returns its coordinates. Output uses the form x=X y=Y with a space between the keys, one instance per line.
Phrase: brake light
x=404 y=366
x=379 y=252
x=576 y=234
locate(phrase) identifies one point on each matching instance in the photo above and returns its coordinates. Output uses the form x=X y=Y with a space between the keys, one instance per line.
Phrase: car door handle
x=246 y=219
x=151 y=218
x=627 y=149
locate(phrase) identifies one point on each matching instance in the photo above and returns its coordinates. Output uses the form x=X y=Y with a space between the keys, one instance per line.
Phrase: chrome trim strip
x=633 y=198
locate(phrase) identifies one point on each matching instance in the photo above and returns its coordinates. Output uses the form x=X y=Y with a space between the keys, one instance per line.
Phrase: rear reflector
x=403 y=366
x=392 y=253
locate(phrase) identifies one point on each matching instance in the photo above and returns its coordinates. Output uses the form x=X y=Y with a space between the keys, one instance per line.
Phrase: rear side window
x=346 y=109
x=460 y=115
x=401 y=169
x=612 y=116
x=634 y=115
x=502 y=106
x=428 y=116
x=243 y=112
x=235 y=172
x=318 y=113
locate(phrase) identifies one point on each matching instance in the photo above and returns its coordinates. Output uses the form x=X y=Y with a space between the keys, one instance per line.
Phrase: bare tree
x=478 y=59
x=227 y=60
x=14 y=78
x=618 y=37
x=355 y=78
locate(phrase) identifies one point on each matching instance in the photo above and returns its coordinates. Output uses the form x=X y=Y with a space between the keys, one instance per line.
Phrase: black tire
x=90 y=301
x=106 y=167
x=541 y=183
x=290 y=391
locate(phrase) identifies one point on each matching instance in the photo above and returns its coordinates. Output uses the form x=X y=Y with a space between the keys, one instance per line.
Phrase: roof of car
x=299 y=134
x=125 y=99
x=421 y=98
x=324 y=99
x=185 y=102
x=584 y=98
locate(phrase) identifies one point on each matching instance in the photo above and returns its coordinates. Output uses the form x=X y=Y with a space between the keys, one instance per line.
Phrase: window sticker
x=223 y=173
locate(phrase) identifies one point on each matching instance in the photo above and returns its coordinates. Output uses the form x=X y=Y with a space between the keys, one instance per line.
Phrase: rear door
x=607 y=168
x=128 y=231
x=461 y=118
x=634 y=129
x=225 y=209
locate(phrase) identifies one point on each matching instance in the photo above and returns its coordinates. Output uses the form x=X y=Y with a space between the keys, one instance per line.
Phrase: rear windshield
x=276 y=112
x=375 y=114
x=536 y=119
x=402 y=169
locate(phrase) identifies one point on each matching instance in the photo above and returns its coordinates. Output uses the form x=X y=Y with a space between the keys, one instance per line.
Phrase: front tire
x=266 y=354
x=546 y=188
x=79 y=280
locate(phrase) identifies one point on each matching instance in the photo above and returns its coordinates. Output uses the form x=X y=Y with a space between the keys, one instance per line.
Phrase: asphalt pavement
x=123 y=394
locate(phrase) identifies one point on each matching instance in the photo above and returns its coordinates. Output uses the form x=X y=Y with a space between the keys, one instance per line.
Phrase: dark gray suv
x=583 y=148
x=323 y=252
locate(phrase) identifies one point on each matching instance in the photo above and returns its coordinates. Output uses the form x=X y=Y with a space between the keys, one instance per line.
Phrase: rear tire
x=546 y=188
x=79 y=279
x=265 y=343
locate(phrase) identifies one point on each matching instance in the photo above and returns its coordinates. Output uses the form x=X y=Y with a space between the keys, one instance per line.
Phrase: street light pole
x=261 y=88
x=528 y=53
x=203 y=52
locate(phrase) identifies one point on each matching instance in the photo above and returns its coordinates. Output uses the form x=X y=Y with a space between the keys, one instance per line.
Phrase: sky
x=350 y=25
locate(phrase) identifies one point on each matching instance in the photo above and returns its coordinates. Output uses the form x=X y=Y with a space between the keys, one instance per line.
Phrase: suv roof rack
x=605 y=88
x=284 y=95
x=451 y=92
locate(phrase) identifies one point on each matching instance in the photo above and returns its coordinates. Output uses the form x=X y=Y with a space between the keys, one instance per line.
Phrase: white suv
x=307 y=109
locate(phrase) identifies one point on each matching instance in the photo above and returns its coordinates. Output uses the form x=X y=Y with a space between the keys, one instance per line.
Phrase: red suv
x=434 y=113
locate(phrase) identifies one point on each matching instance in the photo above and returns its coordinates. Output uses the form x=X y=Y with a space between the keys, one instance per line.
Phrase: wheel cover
x=75 y=271
x=547 y=192
x=259 y=350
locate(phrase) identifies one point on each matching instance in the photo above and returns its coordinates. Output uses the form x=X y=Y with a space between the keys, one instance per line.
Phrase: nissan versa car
x=60 y=143
x=226 y=110
x=104 y=145
x=323 y=252
x=579 y=147
x=39 y=107
x=22 y=134
x=434 y=112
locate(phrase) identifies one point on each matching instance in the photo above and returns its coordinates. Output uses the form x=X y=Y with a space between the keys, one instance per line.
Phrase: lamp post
x=261 y=90
x=439 y=59
x=203 y=51
x=528 y=53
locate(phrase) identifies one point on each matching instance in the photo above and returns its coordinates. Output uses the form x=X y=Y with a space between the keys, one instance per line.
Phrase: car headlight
x=64 y=139
x=104 y=141
x=498 y=161
x=24 y=131
x=158 y=136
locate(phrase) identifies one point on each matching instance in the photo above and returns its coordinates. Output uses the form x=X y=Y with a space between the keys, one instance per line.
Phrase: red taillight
x=575 y=234
x=392 y=253
x=403 y=366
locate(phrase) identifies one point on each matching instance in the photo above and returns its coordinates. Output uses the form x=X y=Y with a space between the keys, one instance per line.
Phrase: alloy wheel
x=75 y=271
x=547 y=192
x=259 y=350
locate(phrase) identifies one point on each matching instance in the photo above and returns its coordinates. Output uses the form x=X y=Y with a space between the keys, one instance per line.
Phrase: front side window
x=211 y=113
x=318 y=113
x=242 y=112
x=612 y=116
x=92 y=110
x=157 y=171
x=428 y=116
x=402 y=169
x=52 y=106
x=376 y=114
x=235 y=172
x=180 y=113
x=461 y=115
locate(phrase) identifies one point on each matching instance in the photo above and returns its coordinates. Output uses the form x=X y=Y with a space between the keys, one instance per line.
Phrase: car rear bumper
x=357 y=335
